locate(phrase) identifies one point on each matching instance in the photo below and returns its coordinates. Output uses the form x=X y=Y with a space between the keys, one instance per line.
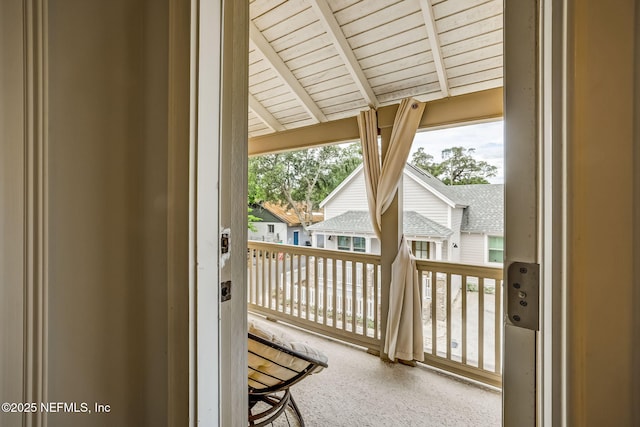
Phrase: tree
x=300 y=179
x=424 y=161
x=458 y=167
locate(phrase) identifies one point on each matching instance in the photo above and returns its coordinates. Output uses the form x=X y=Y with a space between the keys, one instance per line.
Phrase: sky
x=486 y=138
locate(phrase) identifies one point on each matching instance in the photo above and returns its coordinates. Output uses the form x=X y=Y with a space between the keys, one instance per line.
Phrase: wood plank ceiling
x=312 y=61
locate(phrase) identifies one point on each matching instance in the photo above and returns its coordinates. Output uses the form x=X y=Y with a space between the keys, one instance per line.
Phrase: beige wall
x=11 y=208
x=601 y=166
x=100 y=209
x=107 y=216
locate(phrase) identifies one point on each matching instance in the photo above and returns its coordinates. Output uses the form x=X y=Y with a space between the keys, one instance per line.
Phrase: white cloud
x=486 y=138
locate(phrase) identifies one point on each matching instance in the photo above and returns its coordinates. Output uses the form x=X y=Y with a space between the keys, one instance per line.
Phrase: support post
x=391 y=232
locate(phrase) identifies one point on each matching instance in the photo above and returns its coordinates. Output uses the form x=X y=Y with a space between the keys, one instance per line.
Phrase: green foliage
x=458 y=167
x=301 y=179
x=424 y=161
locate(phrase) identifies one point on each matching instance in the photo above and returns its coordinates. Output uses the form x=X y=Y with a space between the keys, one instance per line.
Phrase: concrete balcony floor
x=359 y=389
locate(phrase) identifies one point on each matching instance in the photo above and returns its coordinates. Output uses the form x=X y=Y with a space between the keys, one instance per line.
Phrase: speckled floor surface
x=358 y=389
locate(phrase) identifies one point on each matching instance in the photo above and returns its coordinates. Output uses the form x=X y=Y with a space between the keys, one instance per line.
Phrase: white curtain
x=368 y=126
x=403 y=337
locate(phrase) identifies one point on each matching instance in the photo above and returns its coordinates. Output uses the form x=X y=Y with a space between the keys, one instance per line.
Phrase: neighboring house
x=280 y=225
x=461 y=223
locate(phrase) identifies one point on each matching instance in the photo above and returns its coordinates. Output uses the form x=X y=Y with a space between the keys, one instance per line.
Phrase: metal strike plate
x=224 y=243
x=225 y=291
x=523 y=295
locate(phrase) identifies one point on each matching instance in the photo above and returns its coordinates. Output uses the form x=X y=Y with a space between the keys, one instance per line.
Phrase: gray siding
x=352 y=197
x=455 y=254
x=262 y=234
x=417 y=198
x=472 y=248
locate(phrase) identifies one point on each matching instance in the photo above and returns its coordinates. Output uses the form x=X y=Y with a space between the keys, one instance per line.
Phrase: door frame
x=533 y=381
x=535 y=204
x=220 y=153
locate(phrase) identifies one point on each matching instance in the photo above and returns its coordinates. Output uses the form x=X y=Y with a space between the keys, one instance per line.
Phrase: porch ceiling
x=319 y=61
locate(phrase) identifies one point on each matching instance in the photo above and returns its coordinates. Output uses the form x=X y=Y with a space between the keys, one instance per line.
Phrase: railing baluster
x=464 y=318
x=376 y=303
x=270 y=281
x=343 y=271
x=291 y=287
x=481 y=323
x=354 y=298
x=448 y=310
x=339 y=284
x=305 y=281
x=261 y=280
x=498 y=327
x=434 y=313
x=250 y=291
x=365 y=299
x=325 y=286
x=334 y=293
x=278 y=282
x=299 y=295
x=315 y=289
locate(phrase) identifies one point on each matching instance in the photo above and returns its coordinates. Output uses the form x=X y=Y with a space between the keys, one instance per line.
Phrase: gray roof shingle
x=435 y=183
x=356 y=222
x=485 y=207
x=484 y=203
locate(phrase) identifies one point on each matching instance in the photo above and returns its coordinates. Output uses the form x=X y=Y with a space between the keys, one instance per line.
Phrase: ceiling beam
x=434 y=41
x=474 y=107
x=262 y=45
x=263 y=114
x=334 y=32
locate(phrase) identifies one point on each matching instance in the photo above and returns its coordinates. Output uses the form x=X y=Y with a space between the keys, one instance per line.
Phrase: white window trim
x=486 y=250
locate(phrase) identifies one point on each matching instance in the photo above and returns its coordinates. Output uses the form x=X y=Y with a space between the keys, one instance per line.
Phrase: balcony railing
x=338 y=294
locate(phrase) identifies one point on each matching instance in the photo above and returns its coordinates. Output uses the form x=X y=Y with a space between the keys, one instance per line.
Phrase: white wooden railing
x=338 y=294
x=462 y=316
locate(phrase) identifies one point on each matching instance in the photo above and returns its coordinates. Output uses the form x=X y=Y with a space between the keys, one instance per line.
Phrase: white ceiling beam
x=334 y=32
x=434 y=41
x=476 y=107
x=263 y=114
x=262 y=45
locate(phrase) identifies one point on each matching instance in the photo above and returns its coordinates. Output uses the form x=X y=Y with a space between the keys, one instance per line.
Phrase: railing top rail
x=317 y=252
x=457 y=268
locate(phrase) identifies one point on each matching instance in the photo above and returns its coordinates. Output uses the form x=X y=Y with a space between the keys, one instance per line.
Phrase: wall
x=352 y=197
x=473 y=247
x=262 y=232
x=303 y=236
x=12 y=208
x=456 y=221
x=417 y=198
x=601 y=162
x=90 y=250
x=107 y=214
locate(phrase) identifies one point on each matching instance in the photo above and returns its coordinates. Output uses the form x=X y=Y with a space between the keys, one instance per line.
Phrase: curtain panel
x=403 y=337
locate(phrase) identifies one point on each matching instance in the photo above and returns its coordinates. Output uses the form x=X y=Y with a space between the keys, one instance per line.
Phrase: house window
x=420 y=249
x=344 y=243
x=496 y=249
x=271 y=228
x=359 y=244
